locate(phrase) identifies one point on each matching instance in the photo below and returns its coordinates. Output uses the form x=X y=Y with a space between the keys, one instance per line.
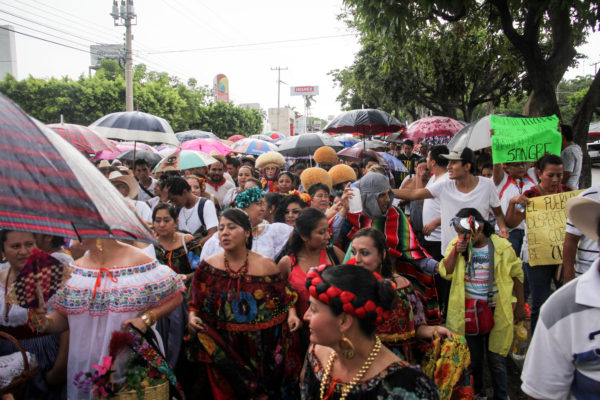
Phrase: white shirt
x=189 y=221
x=572 y=160
x=561 y=338
x=142 y=195
x=432 y=210
x=507 y=190
x=221 y=192
x=587 y=249
x=143 y=210
x=483 y=198
x=268 y=244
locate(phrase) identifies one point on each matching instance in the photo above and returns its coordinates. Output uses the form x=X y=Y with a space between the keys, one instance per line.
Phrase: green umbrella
x=184 y=159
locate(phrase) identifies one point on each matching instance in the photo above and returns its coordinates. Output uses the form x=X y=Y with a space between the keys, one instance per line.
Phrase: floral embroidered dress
x=398 y=381
x=97 y=301
x=245 y=348
x=398 y=332
x=184 y=259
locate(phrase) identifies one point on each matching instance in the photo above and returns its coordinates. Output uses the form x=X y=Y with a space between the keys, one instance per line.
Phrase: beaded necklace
x=237 y=275
x=359 y=375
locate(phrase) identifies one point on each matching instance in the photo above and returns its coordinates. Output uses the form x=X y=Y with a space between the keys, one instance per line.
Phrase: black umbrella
x=364 y=122
x=47 y=186
x=307 y=144
x=194 y=134
x=137 y=126
x=151 y=158
x=395 y=137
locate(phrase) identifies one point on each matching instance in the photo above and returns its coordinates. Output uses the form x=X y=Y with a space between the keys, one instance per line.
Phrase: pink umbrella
x=122 y=147
x=430 y=127
x=207 y=145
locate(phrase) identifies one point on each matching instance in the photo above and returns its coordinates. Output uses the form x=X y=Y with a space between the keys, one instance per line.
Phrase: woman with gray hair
x=410 y=259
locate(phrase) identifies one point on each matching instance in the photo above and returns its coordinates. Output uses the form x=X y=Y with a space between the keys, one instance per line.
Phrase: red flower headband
x=344 y=300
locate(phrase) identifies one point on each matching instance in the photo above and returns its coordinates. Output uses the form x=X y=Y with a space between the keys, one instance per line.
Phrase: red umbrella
x=430 y=127
x=47 y=186
x=277 y=136
x=235 y=138
x=83 y=138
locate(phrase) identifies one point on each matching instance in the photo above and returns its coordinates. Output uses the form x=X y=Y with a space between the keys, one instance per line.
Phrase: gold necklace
x=359 y=375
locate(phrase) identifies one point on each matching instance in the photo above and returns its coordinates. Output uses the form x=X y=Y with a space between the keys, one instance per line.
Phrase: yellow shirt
x=507 y=266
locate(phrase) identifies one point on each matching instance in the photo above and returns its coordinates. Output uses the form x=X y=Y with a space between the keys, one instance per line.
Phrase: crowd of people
x=265 y=283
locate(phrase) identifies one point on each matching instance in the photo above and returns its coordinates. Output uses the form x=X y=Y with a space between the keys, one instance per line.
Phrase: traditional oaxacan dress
x=398 y=381
x=404 y=248
x=244 y=346
x=184 y=259
x=97 y=301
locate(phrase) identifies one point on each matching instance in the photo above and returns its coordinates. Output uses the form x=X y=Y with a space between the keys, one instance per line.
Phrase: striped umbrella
x=83 y=138
x=47 y=186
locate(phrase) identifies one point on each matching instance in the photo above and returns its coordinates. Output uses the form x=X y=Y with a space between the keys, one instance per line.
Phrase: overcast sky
x=201 y=31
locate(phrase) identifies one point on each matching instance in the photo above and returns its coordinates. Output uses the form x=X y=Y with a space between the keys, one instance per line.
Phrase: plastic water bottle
x=520 y=342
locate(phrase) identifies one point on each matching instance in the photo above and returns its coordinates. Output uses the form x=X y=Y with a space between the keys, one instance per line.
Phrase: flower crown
x=343 y=300
x=305 y=197
x=248 y=197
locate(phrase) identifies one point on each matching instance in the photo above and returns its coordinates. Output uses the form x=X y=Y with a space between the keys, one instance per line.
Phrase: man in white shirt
x=572 y=158
x=180 y=195
x=462 y=189
x=563 y=361
x=579 y=251
x=141 y=170
x=128 y=187
x=216 y=184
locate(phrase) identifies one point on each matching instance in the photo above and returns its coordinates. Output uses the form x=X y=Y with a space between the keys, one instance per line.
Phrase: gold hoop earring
x=99 y=244
x=347 y=348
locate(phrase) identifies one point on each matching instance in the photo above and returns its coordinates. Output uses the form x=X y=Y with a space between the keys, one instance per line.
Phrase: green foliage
x=82 y=101
x=448 y=68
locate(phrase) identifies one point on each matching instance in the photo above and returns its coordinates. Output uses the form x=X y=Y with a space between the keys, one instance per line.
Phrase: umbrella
x=393 y=162
x=266 y=138
x=253 y=146
x=48 y=187
x=307 y=144
x=151 y=158
x=208 y=146
x=194 y=134
x=235 y=138
x=137 y=126
x=357 y=154
x=83 y=138
x=364 y=122
x=122 y=147
x=276 y=135
x=432 y=126
x=476 y=135
x=371 y=144
x=395 y=137
x=184 y=159
x=167 y=151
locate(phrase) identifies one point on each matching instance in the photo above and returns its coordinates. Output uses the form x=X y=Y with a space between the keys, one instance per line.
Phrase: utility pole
x=595 y=66
x=278 y=69
x=126 y=17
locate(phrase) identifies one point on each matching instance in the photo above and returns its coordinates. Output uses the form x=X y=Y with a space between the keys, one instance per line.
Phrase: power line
x=46 y=40
x=42 y=32
x=250 y=44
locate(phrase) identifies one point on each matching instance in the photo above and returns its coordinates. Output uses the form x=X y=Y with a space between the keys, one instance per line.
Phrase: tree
x=448 y=68
x=84 y=100
x=544 y=33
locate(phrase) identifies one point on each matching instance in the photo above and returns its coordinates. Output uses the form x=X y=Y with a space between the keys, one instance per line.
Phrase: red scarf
x=216 y=185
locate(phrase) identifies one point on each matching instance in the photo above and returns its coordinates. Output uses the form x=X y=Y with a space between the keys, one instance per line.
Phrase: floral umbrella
x=431 y=126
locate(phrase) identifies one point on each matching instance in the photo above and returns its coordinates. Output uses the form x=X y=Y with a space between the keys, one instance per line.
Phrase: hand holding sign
x=523 y=139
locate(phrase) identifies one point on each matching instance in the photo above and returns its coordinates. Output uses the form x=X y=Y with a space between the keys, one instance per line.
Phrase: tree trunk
x=581 y=123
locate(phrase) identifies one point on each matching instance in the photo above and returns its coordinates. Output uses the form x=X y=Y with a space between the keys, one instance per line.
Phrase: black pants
x=441 y=285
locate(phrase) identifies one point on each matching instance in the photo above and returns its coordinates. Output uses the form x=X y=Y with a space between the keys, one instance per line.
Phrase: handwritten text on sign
x=524 y=139
x=546 y=219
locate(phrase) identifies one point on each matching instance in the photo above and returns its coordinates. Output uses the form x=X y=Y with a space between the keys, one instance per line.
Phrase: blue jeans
x=540 y=281
x=478 y=347
x=515 y=237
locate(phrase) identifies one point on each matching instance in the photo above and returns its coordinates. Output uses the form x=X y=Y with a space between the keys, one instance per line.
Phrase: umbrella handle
x=39 y=293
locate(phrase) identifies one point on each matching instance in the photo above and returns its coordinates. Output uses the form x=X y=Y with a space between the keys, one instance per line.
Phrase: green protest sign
x=524 y=139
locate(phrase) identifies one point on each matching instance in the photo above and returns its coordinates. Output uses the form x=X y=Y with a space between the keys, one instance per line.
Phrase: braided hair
x=355 y=291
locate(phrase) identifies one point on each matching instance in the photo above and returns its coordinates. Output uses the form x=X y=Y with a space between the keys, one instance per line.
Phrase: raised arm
x=412 y=194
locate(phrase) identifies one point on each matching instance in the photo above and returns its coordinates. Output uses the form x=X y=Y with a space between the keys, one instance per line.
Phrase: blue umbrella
x=253 y=146
x=393 y=163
